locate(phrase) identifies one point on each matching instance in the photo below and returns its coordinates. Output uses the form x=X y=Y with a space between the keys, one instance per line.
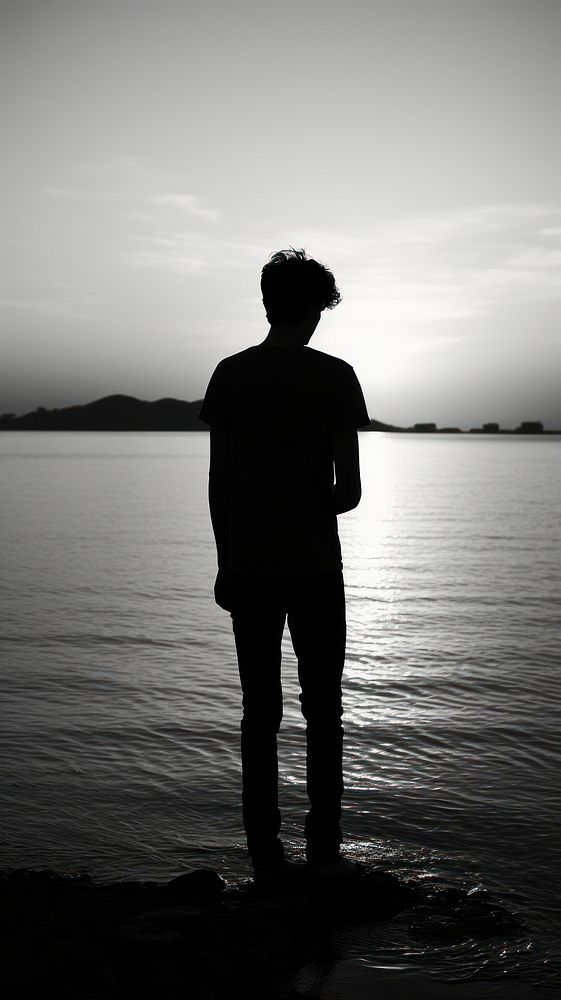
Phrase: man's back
x=281 y=407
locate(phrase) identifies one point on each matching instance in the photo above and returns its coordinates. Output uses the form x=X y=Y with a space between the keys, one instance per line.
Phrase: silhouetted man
x=283 y=420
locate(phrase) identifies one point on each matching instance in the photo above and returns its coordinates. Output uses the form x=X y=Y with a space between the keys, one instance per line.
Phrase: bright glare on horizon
x=157 y=153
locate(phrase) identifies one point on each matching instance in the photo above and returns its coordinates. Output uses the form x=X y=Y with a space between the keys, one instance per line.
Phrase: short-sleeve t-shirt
x=280 y=407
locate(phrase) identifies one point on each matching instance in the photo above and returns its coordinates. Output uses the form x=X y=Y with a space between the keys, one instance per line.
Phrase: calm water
x=120 y=718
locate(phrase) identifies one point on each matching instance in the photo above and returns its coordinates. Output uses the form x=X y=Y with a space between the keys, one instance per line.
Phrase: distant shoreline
x=475 y=432
x=127 y=413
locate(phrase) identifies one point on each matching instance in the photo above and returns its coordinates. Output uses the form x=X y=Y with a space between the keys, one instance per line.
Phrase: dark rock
x=71 y=952
x=478 y=893
x=200 y=886
x=437 y=927
x=105 y=978
x=201 y=937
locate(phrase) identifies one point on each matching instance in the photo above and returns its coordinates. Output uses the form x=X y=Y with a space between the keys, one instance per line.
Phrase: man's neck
x=292 y=334
x=276 y=339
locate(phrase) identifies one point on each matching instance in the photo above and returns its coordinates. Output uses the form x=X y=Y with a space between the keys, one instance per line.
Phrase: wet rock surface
x=205 y=938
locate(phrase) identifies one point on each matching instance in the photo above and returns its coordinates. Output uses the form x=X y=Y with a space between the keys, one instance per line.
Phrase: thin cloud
x=411 y=271
x=128 y=178
x=75 y=194
x=184 y=203
x=127 y=173
x=452 y=266
x=193 y=253
x=58 y=307
x=181 y=252
x=188 y=203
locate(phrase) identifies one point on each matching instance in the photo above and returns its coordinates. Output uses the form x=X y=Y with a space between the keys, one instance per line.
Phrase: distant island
x=126 y=413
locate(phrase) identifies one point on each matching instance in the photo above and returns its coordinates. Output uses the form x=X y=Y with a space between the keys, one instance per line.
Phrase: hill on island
x=112 y=413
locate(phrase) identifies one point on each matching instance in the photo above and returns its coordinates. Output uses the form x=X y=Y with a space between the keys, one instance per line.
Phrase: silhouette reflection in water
x=284 y=462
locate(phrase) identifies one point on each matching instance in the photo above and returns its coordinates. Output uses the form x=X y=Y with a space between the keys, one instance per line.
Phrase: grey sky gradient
x=157 y=152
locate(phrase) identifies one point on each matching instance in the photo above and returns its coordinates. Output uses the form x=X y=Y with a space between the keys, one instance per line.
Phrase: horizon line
x=489 y=427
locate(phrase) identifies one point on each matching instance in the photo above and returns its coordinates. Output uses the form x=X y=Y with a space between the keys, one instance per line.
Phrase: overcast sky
x=157 y=151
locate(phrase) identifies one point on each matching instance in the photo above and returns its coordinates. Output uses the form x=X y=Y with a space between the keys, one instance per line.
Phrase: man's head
x=292 y=284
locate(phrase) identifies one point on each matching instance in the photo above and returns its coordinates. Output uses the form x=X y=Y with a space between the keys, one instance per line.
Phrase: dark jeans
x=315 y=607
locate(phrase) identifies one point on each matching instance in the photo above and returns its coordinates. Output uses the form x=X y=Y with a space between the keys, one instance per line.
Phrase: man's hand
x=223 y=590
x=347 y=490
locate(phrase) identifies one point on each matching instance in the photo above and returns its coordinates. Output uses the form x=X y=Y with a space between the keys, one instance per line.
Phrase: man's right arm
x=347 y=491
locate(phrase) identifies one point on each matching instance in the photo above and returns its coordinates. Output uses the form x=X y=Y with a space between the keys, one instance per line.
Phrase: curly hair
x=291 y=282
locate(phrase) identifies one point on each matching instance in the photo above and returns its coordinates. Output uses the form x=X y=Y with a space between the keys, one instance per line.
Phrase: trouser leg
x=316 y=619
x=258 y=629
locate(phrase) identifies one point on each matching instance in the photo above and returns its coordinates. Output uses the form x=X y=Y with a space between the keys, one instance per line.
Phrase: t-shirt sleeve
x=215 y=406
x=349 y=408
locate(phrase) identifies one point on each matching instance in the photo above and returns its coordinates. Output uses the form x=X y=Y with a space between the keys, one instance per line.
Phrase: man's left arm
x=347 y=491
x=350 y=413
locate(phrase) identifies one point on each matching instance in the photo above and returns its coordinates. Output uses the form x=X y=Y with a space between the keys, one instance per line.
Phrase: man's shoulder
x=252 y=356
x=233 y=360
x=328 y=361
